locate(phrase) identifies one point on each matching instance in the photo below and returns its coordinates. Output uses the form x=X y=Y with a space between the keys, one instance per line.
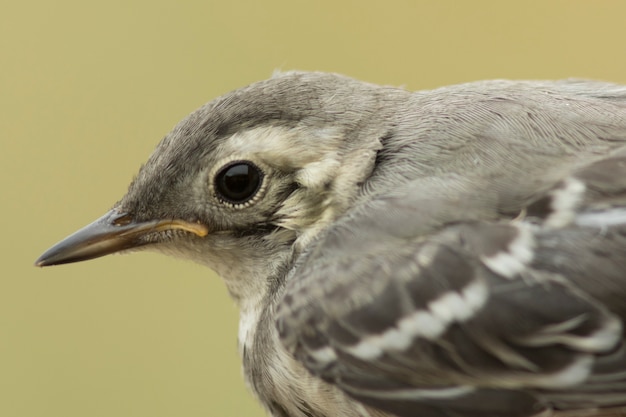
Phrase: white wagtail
x=448 y=253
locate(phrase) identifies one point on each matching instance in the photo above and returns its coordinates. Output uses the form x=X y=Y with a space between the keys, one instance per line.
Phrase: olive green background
x=86 y=91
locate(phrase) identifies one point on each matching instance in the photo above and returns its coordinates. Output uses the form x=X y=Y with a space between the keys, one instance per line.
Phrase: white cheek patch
x=319 y=173
x=286 y=148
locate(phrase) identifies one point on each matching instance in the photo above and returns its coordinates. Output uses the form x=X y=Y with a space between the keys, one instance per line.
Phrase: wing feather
x=473 y=317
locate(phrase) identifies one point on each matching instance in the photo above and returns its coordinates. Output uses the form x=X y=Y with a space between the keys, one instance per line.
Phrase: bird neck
x=253 y=300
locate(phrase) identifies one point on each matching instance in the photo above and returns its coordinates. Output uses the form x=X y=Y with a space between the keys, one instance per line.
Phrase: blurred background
x=87 y=89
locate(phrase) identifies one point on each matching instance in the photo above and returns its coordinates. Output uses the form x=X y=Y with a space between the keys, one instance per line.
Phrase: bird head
x=247 y=180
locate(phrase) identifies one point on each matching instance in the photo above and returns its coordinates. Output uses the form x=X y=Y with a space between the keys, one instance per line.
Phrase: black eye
x=238 y=181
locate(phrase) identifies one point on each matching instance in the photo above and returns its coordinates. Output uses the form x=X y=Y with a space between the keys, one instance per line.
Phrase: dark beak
x=111 y=233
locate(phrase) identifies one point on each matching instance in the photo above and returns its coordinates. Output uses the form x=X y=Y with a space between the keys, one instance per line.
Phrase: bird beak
x=111 y=233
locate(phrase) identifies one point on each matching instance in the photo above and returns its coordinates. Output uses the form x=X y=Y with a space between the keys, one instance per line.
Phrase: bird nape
x=455 y=252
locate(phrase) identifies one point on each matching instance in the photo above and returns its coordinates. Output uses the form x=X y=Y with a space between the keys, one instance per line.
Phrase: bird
x=454 y=252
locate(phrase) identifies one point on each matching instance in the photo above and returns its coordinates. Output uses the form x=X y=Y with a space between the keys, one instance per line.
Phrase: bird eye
x=238 y=181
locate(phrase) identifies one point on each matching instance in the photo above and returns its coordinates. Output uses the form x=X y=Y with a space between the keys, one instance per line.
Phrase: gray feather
x=459 y=252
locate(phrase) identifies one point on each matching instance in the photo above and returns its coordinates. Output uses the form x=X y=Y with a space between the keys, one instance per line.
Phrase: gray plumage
x=459 y=252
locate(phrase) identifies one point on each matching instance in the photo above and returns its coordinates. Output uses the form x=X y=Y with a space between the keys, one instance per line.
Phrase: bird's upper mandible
x=454 y=252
